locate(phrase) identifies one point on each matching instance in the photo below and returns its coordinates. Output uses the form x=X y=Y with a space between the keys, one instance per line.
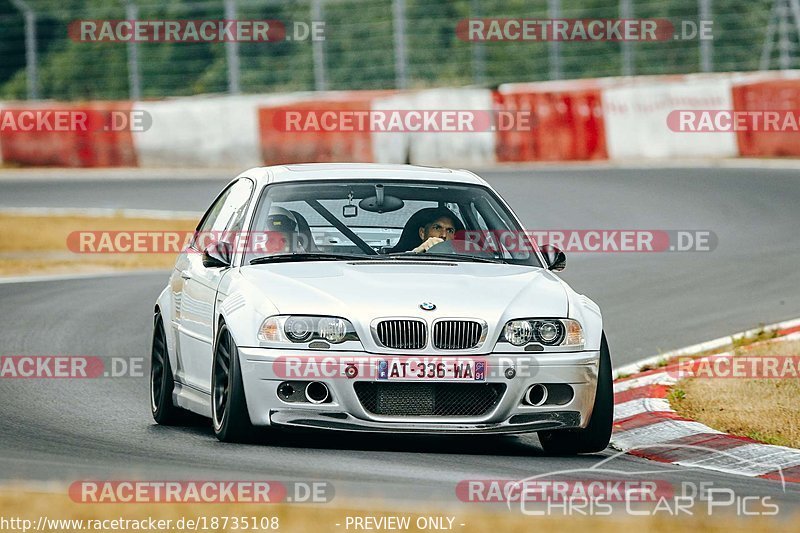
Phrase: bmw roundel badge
x=427 y=306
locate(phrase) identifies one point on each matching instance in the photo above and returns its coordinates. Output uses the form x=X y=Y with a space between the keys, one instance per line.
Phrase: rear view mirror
x=554 y=257
x=381 y=202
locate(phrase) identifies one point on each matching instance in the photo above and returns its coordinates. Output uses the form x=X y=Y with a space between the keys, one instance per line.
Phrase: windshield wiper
x=288 y=258
x=452 y=257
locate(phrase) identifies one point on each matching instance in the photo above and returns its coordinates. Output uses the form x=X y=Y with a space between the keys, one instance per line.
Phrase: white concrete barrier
x=223 y=131
x=636 y=118
x=219 y=131
x=436 y=148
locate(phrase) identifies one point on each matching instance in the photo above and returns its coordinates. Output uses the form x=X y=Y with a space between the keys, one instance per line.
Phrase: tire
x=595 y=436
x=229 y=413
x=162 y=382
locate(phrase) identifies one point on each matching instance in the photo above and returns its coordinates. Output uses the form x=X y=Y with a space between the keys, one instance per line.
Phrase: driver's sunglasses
x=439 y=227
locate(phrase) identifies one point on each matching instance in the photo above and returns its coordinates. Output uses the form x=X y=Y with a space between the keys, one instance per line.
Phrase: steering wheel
x=448 y=247
x=444 y=247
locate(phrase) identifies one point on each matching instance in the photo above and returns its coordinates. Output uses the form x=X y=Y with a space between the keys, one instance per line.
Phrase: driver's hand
x=427 y=244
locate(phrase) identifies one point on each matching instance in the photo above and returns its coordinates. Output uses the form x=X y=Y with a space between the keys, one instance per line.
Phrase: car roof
x=349 y=171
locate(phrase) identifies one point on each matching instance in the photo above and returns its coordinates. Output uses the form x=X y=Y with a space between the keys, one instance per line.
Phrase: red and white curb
x=646 y=426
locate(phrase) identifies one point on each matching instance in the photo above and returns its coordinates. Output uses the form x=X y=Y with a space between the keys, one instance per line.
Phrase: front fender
x=243 y=307
x=585 y=311
x=164 y=306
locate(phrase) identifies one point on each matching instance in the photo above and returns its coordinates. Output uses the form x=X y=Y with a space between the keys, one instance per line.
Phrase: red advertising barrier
x=95 y=134
x=777 y=95
x=565 y=125
x=297 y=133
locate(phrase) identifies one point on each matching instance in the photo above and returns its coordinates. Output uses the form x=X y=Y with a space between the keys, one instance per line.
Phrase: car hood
x=363 y=290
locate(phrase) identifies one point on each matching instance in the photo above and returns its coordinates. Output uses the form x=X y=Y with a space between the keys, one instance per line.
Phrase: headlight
x=549 y=332
x=333 y=330
x=518 y=332
x=545 y=331
x=304 y=329
x=299 y=328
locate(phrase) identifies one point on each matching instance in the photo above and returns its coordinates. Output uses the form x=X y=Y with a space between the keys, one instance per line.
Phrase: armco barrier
x=773 y=95
x=458 y=149
x=566 y=122
x=95 y=145
x=279 y=144
x=636 y=117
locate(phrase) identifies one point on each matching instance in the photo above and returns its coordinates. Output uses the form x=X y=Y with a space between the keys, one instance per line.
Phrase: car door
x=201 y=283
x=181 y=273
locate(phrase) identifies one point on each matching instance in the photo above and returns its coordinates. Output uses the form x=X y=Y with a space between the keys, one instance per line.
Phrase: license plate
x=412 y=369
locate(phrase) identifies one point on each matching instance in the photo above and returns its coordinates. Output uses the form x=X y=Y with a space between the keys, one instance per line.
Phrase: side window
x=229 y=210
x=235 y=206
x=211 y=217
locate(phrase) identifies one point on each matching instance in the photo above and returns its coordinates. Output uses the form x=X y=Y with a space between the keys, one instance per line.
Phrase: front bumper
x=264 y=369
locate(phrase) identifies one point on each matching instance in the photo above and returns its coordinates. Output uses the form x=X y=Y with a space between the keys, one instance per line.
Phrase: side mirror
x=554 y=257
x=217 y=255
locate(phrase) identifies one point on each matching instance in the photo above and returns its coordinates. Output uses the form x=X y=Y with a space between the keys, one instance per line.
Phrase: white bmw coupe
x=377 y=298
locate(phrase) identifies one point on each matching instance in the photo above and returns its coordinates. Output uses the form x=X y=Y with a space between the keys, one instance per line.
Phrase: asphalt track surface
x=63 y=430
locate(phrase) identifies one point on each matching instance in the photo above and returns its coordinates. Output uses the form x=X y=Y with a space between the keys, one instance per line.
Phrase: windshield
x=371 y=219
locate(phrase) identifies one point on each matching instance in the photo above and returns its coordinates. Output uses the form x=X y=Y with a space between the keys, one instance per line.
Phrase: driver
x=441 y=227
x=280 y=233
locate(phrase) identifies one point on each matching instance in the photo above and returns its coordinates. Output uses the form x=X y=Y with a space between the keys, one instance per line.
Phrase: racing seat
x=305 y=231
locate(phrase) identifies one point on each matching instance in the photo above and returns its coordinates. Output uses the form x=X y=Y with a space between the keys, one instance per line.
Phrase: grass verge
x=766 y=410
x=38 y=244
